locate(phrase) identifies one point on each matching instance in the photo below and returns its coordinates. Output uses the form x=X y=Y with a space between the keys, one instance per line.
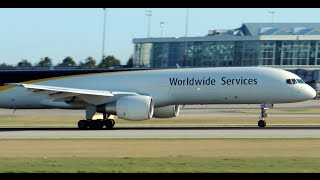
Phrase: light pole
x=148 y=13
x=161 y=26
x=185 y=36
x=187 y=21
x=272 y=13
x=104 y=32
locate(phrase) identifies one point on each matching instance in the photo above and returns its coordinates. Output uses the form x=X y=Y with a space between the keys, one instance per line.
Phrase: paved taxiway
x=162 y=132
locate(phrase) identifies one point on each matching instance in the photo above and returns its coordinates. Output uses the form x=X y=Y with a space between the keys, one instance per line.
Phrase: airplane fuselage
x=233 y=85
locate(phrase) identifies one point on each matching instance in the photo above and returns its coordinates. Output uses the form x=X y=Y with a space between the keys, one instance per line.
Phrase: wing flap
x=60 y=95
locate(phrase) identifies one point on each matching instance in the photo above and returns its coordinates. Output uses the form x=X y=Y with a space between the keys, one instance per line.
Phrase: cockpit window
x=289 y=81
x=300 y=81
x=294 y=81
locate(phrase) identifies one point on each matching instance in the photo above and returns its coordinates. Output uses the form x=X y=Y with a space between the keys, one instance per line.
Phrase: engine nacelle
x=130 y=108
x=166 y=111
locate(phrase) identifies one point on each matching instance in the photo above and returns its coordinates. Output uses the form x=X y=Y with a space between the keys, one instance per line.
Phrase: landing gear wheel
x=113 y=122
x=262 y=123
x=109 y=123
x=95 y=124
x=263 y=114
x=82 y=124
x=99 y=124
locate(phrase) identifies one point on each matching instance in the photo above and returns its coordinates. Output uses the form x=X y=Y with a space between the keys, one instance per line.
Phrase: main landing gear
x=96 y=124
x=262 y=122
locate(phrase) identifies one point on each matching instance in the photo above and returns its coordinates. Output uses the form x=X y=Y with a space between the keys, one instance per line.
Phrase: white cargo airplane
x=145 y=94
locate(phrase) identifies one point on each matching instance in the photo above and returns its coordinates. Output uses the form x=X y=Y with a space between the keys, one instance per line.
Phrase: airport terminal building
x=291 y=45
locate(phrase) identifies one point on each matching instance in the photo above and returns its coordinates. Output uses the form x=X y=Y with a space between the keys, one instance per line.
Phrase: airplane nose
x=309 y=92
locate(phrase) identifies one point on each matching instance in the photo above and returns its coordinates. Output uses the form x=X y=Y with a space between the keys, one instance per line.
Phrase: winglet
x=178 y=66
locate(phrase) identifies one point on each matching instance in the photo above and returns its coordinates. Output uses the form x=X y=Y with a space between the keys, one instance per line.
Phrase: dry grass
x=284 y=111
x=30 y=120
x=120 y=148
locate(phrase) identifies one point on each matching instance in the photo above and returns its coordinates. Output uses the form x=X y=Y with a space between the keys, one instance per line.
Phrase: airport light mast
x=104 y=32
x=149 y=13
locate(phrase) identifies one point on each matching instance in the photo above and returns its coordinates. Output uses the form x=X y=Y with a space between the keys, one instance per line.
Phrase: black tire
x=82 y=124
x=108 y=123
x=100 y=123
x=113 y=122
x=95 y=124
x=262 y=123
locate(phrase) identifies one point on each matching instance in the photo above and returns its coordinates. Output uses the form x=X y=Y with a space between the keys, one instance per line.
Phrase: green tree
x=130 y=62
x=88 y=63
x=24 y=63
x=68 y=61
x=45 y=62
x=4 y=65
x=109 y=61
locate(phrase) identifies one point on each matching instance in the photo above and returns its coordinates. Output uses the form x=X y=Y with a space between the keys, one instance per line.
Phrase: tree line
x=91 y=63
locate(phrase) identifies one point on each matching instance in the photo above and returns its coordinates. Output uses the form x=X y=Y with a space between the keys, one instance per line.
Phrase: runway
x=162 y=132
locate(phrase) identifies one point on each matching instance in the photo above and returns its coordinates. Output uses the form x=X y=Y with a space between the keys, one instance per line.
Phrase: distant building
x=284 y=45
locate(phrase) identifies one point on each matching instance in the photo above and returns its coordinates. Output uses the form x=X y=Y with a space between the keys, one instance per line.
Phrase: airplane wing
x=95 y=97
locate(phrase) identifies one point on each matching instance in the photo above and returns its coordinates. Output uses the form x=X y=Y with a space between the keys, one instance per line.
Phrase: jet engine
x=166 y=111
x=130 y=108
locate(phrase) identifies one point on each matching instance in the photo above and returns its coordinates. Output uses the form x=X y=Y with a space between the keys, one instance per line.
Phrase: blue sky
x=33 y=33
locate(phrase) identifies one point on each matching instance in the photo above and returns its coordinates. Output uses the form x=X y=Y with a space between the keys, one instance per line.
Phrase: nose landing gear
x=262 y=122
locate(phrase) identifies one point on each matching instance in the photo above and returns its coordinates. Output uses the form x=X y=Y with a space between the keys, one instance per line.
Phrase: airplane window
x=300 y=81
x=289 y=81
x=294 y=81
